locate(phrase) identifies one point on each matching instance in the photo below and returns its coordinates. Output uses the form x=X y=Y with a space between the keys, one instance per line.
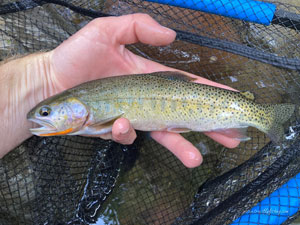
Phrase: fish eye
x=45 y=111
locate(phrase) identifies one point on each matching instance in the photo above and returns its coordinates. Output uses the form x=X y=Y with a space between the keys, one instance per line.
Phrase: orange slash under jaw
x=57 y=133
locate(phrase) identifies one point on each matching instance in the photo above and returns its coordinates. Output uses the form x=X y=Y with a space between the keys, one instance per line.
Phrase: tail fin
x=281 y=114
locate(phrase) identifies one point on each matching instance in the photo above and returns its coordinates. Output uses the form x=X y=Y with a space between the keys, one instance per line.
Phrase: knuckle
x=120 y=139
x=96 y=22
x=138 y=16
x=125 y=139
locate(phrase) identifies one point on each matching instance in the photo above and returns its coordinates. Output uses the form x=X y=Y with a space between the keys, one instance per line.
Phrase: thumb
x=131 y=29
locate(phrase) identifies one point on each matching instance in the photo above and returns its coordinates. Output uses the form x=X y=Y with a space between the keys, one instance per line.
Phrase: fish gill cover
x=79 y=180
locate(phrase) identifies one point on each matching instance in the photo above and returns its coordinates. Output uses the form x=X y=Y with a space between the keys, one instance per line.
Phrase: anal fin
x=235 y=133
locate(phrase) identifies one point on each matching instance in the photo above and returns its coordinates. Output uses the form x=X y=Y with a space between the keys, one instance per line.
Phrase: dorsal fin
x=173 y=75
x=248 y=95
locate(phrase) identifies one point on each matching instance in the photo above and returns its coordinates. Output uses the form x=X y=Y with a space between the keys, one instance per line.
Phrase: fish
x=160 y=101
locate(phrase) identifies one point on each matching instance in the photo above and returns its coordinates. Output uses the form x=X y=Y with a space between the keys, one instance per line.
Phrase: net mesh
x=79 y=180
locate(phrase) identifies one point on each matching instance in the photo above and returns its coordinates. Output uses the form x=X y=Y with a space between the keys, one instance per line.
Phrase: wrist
x=24 y=82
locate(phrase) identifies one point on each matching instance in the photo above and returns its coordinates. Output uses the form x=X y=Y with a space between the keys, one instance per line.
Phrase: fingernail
x=193 y=159
x=123 y=129
x=168 y=30
x=162 y=29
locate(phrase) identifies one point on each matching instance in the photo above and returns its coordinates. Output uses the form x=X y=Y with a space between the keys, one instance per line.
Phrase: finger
x=185 y=151
x=130 y=29
x=123 y=132
x=224 y=140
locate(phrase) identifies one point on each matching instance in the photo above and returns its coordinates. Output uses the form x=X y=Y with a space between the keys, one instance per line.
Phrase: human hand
x=97 y=51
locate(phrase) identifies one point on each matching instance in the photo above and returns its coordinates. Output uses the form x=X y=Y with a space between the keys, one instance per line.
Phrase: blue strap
x=247 y=10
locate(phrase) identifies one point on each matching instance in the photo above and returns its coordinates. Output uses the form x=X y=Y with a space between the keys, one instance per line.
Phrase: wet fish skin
x=170 y=101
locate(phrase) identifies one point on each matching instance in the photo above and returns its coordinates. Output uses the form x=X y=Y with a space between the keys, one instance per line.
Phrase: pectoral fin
x=108 y=122
x=98 y=128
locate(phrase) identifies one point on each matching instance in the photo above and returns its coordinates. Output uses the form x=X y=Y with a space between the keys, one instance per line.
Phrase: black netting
x=79 y=180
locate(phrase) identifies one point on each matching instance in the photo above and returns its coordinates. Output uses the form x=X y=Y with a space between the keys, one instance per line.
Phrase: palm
x=91 y=54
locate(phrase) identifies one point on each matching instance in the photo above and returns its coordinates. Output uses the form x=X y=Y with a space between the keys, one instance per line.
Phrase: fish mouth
x=46 y=127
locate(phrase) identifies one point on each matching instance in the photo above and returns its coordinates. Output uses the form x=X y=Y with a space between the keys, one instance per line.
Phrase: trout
x=161 y=101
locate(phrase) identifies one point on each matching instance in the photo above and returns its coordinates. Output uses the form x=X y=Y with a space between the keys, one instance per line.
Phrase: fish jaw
x=44 y=129
x=64 y=132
